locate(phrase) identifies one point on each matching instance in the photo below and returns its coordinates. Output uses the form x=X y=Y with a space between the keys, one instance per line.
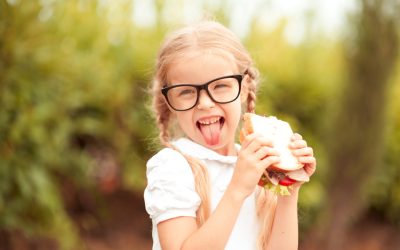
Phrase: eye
x=221 y=86
x=186 y=91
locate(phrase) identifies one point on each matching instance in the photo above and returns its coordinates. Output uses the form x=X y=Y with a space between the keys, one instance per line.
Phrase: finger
x=258 y=142
x=310 y=164
x=298 y=144
x=270 y=160
x=307 y=159
x=247 y=139
x=265 y=151
x=307 y=151
x=309 y=170
x=296 y=136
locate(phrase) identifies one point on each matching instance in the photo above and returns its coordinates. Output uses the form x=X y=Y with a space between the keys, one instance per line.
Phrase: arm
x=284 y=233
x=182 y=232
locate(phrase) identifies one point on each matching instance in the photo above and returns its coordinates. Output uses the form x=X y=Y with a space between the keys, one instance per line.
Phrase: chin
x=223 y=148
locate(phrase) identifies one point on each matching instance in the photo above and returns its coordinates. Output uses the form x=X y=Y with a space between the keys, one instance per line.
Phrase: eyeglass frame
x=200 y=87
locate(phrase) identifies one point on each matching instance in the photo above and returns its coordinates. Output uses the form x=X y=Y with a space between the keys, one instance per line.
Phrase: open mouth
x=211 y=128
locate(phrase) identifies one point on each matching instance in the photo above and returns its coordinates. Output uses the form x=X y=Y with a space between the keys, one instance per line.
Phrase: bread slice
x=279 y=132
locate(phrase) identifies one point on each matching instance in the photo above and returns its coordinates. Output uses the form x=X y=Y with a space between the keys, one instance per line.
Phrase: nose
x=205 y=101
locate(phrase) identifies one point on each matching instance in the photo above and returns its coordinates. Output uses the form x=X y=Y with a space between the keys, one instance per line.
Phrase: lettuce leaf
x=278 y=189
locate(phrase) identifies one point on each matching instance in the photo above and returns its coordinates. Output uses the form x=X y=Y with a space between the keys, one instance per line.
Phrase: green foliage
x=73 y=81
x=70 y=78
x=296 y=86
x=384 y=185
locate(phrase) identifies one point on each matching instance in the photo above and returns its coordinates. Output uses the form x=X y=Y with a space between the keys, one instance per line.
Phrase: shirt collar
x=193 y=149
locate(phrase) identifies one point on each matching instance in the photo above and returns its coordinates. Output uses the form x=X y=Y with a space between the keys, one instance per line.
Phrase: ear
x=244 y=92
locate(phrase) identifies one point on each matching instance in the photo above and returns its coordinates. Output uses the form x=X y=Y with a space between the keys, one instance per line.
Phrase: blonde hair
x=213 y=36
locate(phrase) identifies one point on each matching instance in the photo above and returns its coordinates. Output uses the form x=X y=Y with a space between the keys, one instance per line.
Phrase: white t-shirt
x=170 y=191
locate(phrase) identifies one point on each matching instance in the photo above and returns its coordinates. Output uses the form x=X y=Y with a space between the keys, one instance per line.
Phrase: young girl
x=202 y=190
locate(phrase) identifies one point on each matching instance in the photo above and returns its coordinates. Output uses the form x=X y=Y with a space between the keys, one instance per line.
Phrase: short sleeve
x=170 y=190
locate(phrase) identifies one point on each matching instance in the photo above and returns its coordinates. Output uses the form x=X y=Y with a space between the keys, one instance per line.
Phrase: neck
x=227 y=151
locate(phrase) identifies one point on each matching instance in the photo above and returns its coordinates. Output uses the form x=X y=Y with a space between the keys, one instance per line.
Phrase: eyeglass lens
x=222 y=91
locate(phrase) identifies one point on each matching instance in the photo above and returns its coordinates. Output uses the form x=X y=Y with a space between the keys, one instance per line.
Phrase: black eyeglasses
x=221 y=90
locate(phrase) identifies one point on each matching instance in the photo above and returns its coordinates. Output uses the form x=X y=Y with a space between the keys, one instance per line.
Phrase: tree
x=71 y=109
x=357 y=133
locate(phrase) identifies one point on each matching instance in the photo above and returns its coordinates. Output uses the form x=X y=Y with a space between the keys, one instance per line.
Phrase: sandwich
x=277 y=177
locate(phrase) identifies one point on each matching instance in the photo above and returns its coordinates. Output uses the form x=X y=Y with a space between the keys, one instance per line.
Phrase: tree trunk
x=355 y=147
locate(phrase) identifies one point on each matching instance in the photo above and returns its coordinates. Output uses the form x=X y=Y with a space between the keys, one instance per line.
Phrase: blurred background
x=76 y=130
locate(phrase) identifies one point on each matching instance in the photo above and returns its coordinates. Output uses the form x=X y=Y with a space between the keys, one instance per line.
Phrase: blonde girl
x=202 y=190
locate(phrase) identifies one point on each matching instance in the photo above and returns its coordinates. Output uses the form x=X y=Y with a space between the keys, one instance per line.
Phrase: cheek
x=235 y=113
x=243 y=97
x=185 y=122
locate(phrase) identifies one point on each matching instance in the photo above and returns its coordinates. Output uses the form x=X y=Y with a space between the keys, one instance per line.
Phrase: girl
x=202 y=190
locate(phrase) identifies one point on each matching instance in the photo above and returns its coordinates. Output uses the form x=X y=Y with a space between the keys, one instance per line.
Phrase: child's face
x=208 y=123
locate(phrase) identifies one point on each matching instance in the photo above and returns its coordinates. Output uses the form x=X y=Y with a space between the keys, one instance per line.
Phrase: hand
x=256 y=155
x=304 y=154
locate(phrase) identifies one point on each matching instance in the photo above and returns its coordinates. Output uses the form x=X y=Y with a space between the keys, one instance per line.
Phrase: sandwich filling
x=278 y=177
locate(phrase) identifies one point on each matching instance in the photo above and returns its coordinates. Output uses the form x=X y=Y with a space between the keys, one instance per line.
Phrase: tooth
x=210 y=121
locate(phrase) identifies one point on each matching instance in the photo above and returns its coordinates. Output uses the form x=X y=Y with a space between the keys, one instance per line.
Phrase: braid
x=202 y=188
x=162 y=117
x=164 y=135
x=265 y=200
x=251 y=101
x=252 y=88
x=253 y=73
x=199 y=170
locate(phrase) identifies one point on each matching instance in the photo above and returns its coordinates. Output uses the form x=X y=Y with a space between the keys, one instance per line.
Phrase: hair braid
x=199 y=170
x=202 y=187
x=252 y=88
x=162 y=115
x=265 y=200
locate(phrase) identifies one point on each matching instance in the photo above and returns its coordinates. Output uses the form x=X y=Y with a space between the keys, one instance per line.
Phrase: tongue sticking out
x=211 y=132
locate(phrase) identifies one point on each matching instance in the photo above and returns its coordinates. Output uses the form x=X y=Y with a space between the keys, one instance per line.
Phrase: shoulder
x=170 y=190
x=169 y=165
x=167 y=158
